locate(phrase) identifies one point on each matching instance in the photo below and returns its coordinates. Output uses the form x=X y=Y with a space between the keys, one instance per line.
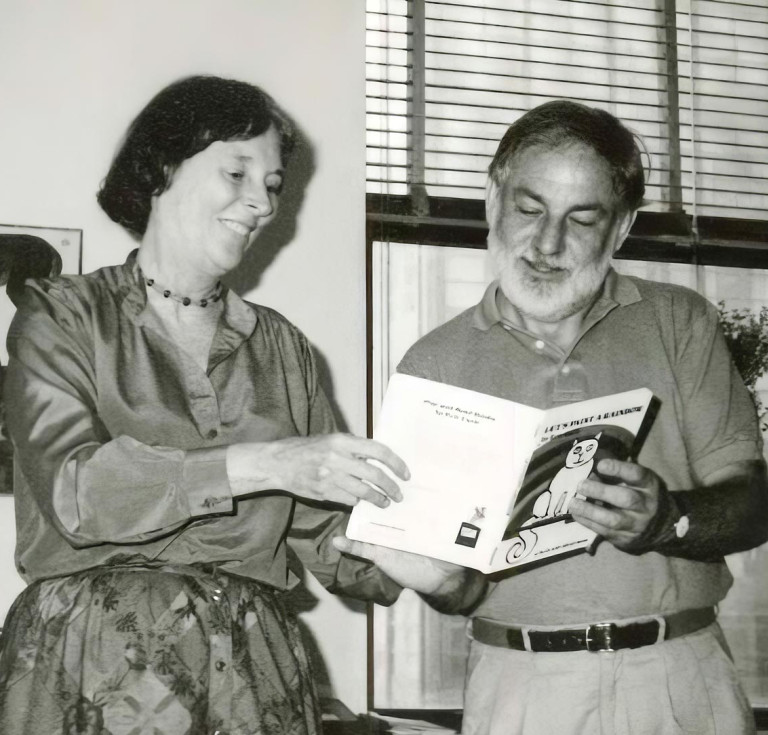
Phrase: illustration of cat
x=578 y=464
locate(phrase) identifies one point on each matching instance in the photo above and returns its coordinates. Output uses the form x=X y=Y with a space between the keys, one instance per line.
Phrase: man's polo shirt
x=637 y=334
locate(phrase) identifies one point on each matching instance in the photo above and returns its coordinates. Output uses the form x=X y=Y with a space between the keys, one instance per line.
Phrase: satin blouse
x=121 y=438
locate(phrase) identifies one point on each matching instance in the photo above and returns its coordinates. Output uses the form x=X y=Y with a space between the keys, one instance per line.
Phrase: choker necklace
x=185 y=300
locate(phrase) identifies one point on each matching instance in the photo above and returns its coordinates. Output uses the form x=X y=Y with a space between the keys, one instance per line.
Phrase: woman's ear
x=168 y=172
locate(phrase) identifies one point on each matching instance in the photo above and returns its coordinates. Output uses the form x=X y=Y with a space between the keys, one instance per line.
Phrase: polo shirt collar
x=617 y=290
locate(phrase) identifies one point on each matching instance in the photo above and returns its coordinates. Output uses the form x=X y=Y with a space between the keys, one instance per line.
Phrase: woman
x=172 y=439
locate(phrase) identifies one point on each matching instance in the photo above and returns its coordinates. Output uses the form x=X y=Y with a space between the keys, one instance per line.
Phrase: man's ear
x=491 y=201
x=627 y=219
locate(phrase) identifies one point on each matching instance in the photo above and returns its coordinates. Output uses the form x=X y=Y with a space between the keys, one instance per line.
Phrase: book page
x=466 y=452
x=572 y=439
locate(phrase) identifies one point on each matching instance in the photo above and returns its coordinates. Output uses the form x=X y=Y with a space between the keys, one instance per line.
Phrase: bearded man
x=625 y=640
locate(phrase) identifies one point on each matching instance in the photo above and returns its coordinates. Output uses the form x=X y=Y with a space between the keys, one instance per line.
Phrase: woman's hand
x=332 y=467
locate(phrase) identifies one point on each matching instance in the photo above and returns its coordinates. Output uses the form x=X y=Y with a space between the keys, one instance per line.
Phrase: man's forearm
x=722 y=519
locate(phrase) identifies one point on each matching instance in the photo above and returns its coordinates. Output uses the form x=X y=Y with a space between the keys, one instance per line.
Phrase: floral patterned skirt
x=140 y=650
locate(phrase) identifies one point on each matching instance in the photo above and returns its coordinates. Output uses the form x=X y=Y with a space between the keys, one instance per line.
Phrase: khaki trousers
x=688 y=685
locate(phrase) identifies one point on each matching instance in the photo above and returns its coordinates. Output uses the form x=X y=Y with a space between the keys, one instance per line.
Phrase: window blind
x=723 y=52
x=446 y=78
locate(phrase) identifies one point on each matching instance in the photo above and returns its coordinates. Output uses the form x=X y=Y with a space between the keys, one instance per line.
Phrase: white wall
x=73 y=73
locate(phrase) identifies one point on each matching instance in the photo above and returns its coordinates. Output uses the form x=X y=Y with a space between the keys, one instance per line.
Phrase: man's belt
x=594 y=637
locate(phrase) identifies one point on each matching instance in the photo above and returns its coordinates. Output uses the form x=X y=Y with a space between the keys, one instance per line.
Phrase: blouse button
x=539 y=344
x=220 y=666
x=212 y=434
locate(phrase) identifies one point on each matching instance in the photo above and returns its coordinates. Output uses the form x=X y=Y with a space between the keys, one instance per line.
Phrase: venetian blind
x=724 y=141
x=446 y=78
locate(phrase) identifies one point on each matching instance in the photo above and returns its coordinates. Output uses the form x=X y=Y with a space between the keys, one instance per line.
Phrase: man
x=625 y=640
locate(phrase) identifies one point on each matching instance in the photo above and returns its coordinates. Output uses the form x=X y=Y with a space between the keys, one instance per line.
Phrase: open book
x=491 y=479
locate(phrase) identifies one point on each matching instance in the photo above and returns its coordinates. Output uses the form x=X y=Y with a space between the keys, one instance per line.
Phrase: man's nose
x=549 y=240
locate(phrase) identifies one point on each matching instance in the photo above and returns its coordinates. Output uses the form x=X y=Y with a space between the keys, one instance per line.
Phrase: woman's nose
x=257 y=198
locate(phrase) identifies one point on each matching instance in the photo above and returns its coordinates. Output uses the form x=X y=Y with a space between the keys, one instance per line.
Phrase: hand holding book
x=626 y=507
x=414 y=571
x=447 y=587
x=492 y=481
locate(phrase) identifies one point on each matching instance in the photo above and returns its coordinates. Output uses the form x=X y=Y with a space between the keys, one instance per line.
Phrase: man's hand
x=625 y=509
x=417 y=572
x=447 y=587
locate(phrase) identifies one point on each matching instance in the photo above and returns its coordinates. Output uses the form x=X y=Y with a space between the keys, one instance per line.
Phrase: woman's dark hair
x=179 y=122
x=562 y=122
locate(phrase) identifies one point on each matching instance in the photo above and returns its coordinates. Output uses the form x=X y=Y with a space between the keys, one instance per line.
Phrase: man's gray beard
x=546 y=301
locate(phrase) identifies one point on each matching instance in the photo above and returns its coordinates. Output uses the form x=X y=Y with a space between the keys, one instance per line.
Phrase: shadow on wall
x=301 y=600
x=281 y=231
x=245 y=278
x=278 y=235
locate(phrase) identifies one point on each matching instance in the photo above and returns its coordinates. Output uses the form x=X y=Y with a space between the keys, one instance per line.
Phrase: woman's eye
x=528 y=212
x=236 y=175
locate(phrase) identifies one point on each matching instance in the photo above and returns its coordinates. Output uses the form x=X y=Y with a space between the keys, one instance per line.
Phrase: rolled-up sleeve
x=94 y=488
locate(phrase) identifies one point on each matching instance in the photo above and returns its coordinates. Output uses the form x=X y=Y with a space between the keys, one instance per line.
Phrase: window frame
x=642 y=245
x=675 y=236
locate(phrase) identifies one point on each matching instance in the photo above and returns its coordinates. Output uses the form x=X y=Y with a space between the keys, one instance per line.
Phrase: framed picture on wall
x=28 y=252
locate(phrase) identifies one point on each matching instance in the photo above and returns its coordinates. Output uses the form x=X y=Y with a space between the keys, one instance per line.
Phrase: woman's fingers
x=372 y=450
x=356 y=489
x=355 y=469
x=341 y=468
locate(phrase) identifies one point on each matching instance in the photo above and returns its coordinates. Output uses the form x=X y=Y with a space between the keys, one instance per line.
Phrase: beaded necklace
x=185 y=300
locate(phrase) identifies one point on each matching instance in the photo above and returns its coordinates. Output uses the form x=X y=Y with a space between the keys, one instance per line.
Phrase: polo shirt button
x=220 y=666
x=565 y=370
x=212 y=434
x=539 y=344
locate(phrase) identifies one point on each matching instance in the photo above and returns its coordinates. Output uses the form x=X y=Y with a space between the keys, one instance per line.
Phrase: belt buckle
x=600 y=637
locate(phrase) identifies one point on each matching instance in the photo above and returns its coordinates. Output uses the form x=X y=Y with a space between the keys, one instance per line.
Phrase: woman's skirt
x=160 y=650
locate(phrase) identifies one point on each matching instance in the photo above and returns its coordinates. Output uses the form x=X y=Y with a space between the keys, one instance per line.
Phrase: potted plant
x=746 y=333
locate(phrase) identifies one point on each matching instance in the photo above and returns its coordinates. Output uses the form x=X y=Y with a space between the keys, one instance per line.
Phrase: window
x=445 y=79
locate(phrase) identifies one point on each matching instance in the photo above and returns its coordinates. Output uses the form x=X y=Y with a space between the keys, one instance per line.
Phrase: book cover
x=491 y=479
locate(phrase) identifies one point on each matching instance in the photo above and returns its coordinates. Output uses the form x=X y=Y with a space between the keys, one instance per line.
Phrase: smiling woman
x=173 y=441
x=218 y=202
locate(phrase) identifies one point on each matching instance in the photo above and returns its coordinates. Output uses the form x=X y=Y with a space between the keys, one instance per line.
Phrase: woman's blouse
x=121 y=437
